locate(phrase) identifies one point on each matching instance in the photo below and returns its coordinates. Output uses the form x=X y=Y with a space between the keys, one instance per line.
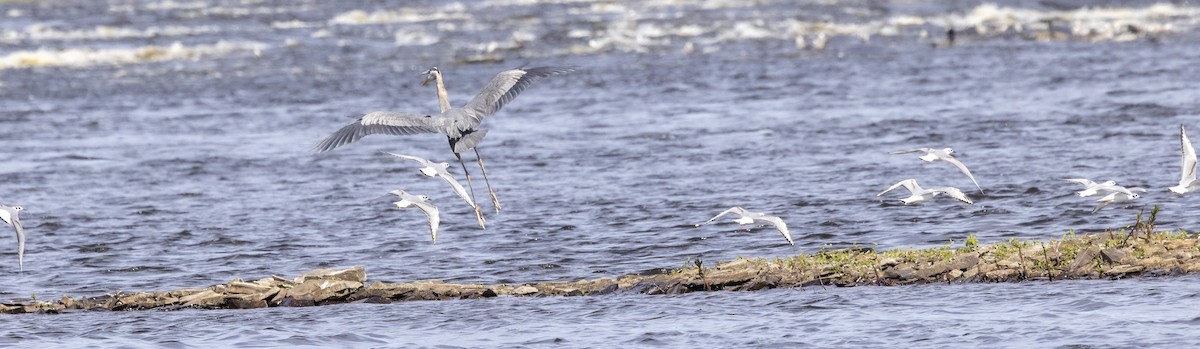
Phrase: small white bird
x=1117 y=197
x=9 y=215
x=1091 y=188
x=921 y=194
x=1187 y=175
x=747 y=217
x=422 y=202
x=944 y=154
x=436 y=169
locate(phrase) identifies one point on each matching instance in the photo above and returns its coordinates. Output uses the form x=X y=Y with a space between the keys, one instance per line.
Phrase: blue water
x=1091 y=314
x=157 y=146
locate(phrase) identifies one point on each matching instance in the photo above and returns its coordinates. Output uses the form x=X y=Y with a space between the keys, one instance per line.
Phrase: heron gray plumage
x=441 y=169
x=1187 y=172
x=458 y=124
x=10 y=215
x=747 y=217
x=944 y=154
x=921 y=194
x=423 y=203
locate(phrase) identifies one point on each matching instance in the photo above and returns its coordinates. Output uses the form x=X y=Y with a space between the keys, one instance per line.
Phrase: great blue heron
x=921 y=194
x=439 y=169
x=421 y=202
x=1187 y=174
x=9 y=215
x=458 y=124
x=747 y=217
x=944 y=154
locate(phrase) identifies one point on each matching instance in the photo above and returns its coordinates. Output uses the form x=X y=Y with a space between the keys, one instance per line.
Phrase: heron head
x=430 y=75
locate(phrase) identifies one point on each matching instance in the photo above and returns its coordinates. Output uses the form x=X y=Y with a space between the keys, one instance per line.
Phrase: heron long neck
x=443 y=98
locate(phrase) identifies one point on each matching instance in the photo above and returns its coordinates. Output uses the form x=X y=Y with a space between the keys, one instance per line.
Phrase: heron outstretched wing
x=380 y=122
x=503 y=88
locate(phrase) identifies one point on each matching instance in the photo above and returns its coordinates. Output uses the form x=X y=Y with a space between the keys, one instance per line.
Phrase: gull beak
x=427 y=77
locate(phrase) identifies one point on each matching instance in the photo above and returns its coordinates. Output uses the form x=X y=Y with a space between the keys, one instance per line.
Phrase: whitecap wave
x=87 y=56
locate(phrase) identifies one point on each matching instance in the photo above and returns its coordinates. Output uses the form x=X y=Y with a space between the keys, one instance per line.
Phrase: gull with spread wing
x=1118 y=196
x=747 y=217
x=1091 y=188
x=1187 y=175
x=441 y=169
x=944 y=154
x=423 y=203
x=921 y=194
x=9 y=215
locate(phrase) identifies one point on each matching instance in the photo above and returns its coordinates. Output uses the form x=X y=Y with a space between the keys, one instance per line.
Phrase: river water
x=158 y=145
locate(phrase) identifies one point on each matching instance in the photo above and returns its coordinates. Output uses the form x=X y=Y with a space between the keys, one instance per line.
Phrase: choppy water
x=161 y=145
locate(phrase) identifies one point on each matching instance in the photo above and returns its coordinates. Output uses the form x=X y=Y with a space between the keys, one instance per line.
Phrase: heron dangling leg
x=471 y=187
x=495 y=201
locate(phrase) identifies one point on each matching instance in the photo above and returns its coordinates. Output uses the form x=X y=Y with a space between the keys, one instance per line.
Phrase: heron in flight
x=421 y=202
x=944 y=154
x=747 y=217
x=440 y=169
x=9 y=215
x=458 y=124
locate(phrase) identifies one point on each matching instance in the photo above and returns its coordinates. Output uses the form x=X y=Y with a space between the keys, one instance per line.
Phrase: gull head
x=948 y=151
x=429 y=75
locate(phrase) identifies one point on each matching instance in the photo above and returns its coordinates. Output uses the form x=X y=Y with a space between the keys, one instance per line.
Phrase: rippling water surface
x=161 y=145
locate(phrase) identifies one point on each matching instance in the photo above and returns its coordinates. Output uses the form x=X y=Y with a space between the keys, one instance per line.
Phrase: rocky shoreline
x=1105 y=255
